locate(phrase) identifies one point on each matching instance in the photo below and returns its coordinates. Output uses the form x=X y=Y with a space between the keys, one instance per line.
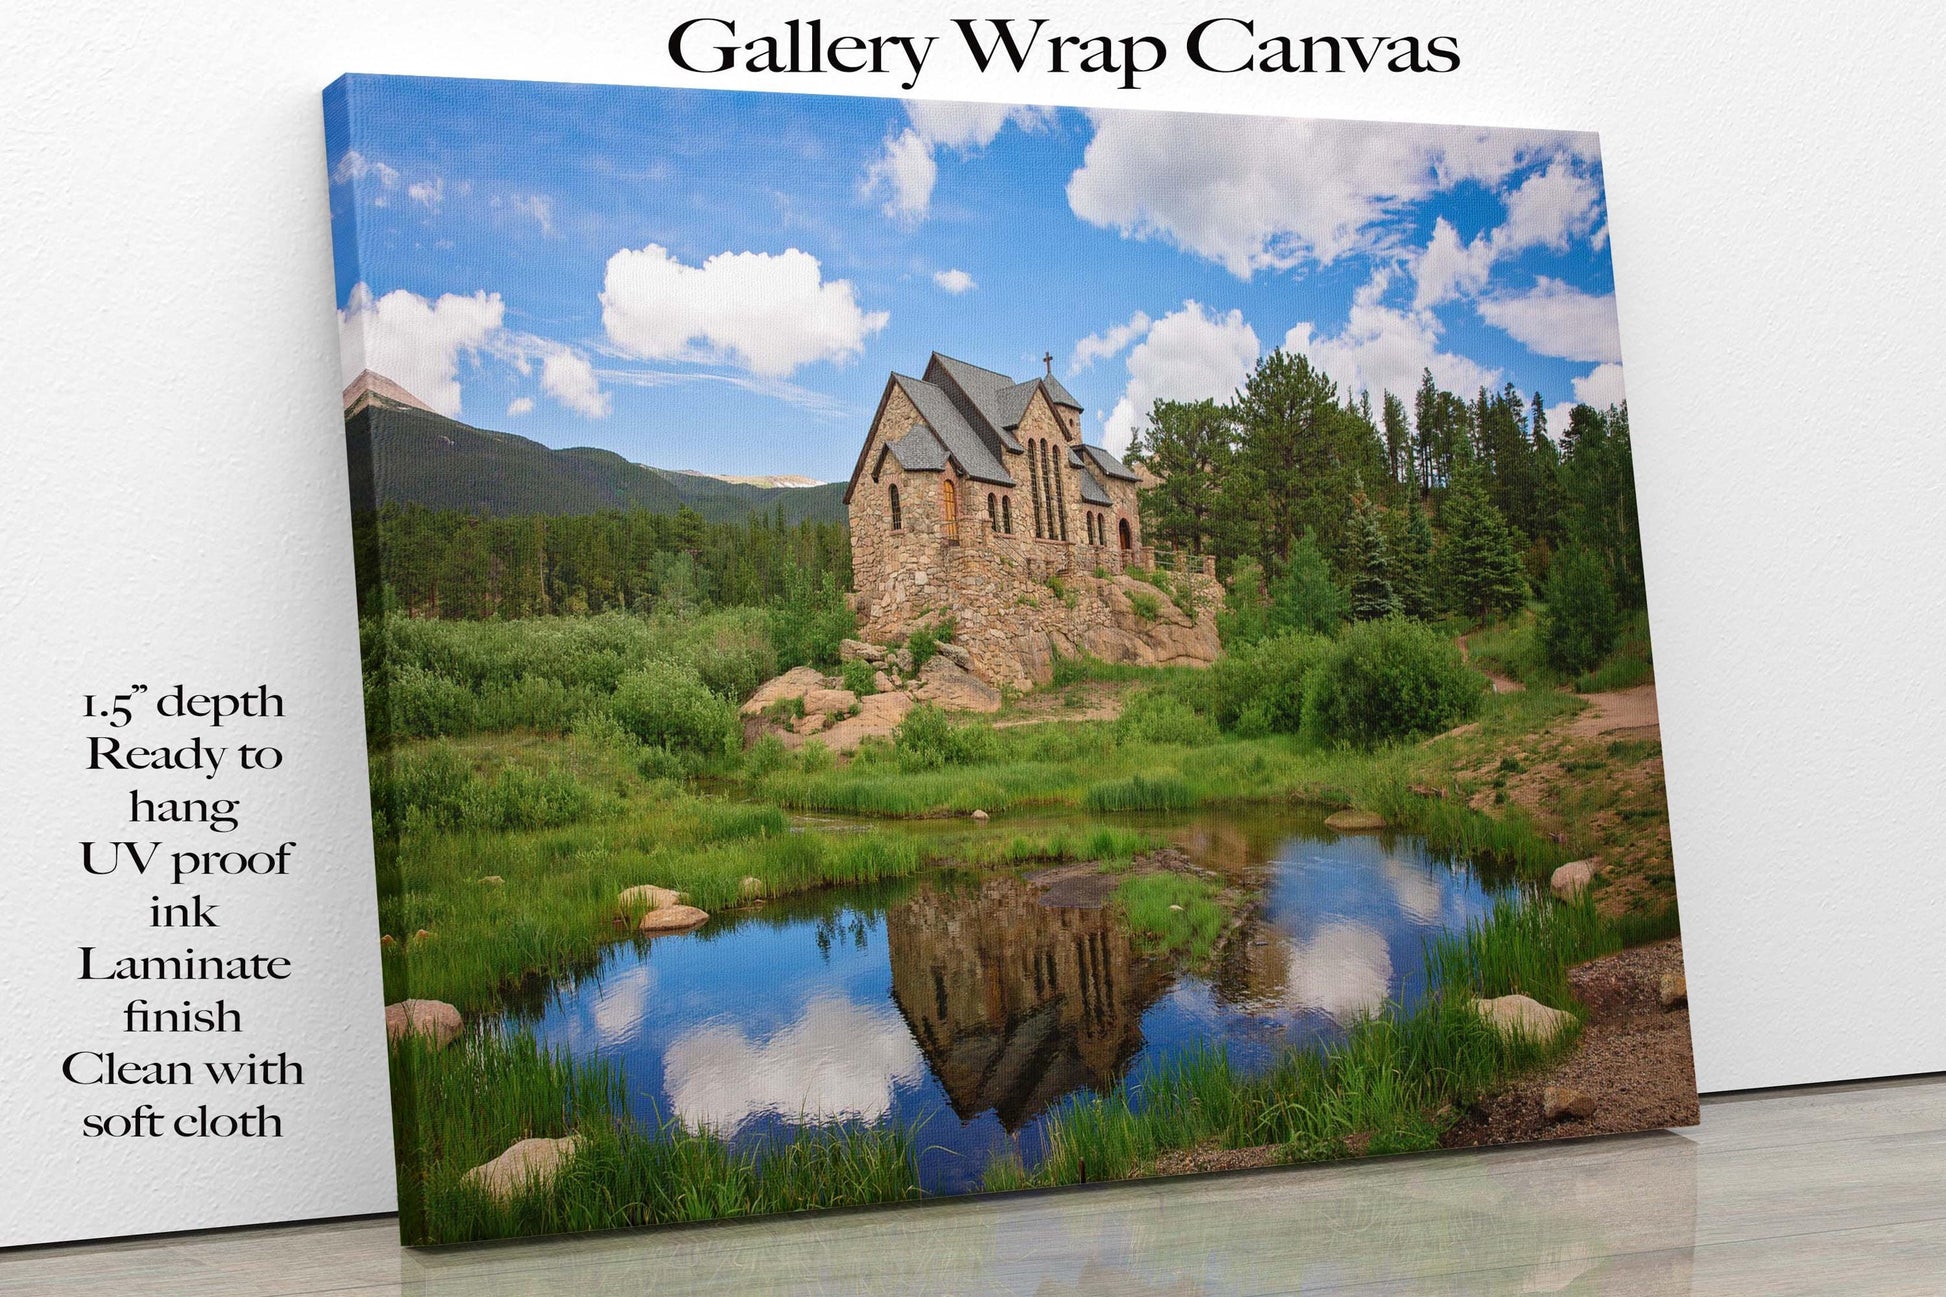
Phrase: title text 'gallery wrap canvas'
x=919 y=649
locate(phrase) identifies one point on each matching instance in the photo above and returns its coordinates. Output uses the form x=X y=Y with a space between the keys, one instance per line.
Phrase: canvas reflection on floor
x=919 y=649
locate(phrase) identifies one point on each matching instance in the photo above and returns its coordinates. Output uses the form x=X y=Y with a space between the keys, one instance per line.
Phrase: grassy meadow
x=525 y=773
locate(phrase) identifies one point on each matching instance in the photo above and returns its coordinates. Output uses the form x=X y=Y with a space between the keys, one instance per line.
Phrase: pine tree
x=1398 y=440
x=1305 y=598
x=1412 y=564
x=1581 y=621
x=1372 y=595
x=1479 y=563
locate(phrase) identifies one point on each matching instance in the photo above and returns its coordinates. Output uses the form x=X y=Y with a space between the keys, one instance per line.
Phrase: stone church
x=975 y=498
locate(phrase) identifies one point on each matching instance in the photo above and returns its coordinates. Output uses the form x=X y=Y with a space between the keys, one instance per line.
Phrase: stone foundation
x=1017 y=602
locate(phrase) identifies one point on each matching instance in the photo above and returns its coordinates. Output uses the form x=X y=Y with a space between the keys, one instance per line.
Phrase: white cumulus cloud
x=1344 y=970
x=838 y=1060
x=415 y=342
x=1557 y=319
x=1384 y=348
x=1191 y=354
x=1257 y=193
x=353 y=165
x=768 y=314
x=904 y=174
x=954 y=281
x=1110 y=342
x=520 y=405
x=429 y=194
x=567 y=376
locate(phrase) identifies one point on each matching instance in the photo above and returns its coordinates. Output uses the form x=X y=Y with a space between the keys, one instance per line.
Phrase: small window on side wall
x=993 y=511
x=1007 y=514
x=898 y=519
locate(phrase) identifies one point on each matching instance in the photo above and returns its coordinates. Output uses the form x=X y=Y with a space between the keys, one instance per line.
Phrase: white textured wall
x=174 y=501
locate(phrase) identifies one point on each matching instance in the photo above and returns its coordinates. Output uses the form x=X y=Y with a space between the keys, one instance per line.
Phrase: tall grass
x=1392 y=1084
x=1172 y=913
x=458 y=1108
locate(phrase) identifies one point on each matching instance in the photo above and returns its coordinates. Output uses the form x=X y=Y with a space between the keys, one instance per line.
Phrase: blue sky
x=722 y=281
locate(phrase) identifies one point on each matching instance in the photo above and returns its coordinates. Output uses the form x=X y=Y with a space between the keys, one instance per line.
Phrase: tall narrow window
x=898 y=520
x=1007 y=514
x=1034 y=484
x=1061 y=489
x=993 y=511
x=1047 y=488
x=949 y=499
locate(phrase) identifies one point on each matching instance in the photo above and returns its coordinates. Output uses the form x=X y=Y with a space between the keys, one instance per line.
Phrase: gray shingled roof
x=919 y=451
x=1058 y=394
x=981 y=391
x=1092 y=491
x=966 y=445
x=1109 y=465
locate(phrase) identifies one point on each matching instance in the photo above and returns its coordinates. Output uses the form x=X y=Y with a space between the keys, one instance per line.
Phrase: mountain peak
x=371 y=388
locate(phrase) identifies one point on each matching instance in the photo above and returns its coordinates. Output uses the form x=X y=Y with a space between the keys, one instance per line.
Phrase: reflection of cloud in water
x=838 y=1060
x=623 y=1003
x=1417 y=893
x=1345 y=969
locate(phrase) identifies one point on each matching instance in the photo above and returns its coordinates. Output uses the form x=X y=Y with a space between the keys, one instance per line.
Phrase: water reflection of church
x=1015 y=1003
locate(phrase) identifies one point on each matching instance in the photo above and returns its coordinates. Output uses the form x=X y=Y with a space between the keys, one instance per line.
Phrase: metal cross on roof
x=1048 y=360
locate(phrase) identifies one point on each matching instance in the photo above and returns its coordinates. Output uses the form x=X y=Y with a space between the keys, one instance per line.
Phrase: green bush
x=1158 y=716
x=1305 y=598
x=1581 y=621
x=1386 y=680
x=859 y=678
x=925 y=640
x=1145 y=605
x=809 y=623
x=668 y=706
x=436 y=789
x=1263 y=683
x=926 y=740
x=423 y=704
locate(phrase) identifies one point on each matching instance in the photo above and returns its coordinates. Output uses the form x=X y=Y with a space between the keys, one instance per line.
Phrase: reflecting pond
x=960 y=1004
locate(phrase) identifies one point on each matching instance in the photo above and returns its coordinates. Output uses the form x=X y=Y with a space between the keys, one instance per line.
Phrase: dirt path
x=1625 y=713
x=1633 y=1060
x=1501 y=684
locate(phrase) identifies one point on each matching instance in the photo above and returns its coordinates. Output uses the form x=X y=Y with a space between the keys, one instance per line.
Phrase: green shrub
x=1387 y=680
x=424 y=704
x=1265 y=681
x=766 y=756
x=1245 y=617
x=927 y=740
x=1157 y=716
x=435 y=788
x=668 y=706
x=1580 y=623
x=858 y=678
x=925 y=640
x=809 y=622
x=1145 y=605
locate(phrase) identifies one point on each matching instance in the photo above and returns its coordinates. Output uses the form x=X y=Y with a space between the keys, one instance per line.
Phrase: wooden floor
x=1828 y=1190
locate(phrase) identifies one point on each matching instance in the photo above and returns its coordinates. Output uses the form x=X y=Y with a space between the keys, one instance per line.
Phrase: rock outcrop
x=878 y=715
x=945 y=683
x=649 y=896
x=794 y=683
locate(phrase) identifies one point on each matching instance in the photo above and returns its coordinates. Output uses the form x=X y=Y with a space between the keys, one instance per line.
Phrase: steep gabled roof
x=975 y=392
x=1108 y=464
x=1092 y=491
x=966 y=444
x=919 y=451
x=1058 y=394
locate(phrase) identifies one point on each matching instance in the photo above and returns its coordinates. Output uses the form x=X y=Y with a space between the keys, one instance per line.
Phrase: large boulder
x=672 y=918
x=958 y=656
x=649 y=896
x=1572 y=879
x=794 y=683
x=436 y=1020
x=829 y=702
x=1673 y=991
x=857 y=650
x=1522 y=1017
x=529 y=1164
x=948 y=685
x=878 y=715
x=1354 y=821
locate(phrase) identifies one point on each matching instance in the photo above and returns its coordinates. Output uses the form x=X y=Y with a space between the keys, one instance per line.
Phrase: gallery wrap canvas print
x=917 y=649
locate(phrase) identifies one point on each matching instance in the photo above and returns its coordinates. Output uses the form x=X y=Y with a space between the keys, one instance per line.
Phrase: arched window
x=949 y=520
x=1034 y=483
x=1007 y=514
x=993 y=511
x=898 y=519
x=1128 y=537
x=1061 y=489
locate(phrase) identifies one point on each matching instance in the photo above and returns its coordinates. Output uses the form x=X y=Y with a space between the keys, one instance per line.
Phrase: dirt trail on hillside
x=1501 y=684
x=1625 y=713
